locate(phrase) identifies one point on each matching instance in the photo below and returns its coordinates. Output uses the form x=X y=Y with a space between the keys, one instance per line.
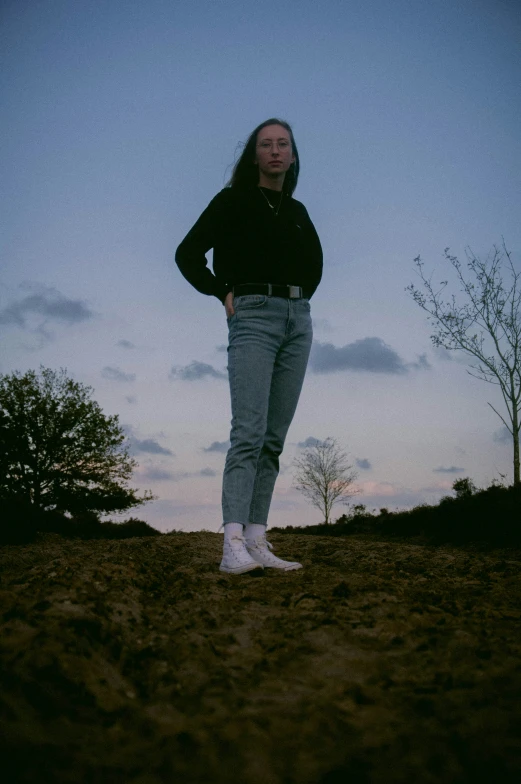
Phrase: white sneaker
x=258 y=549
x=236 y=558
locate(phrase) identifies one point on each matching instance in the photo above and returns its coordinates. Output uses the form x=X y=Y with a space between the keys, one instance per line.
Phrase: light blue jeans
x=268 y=349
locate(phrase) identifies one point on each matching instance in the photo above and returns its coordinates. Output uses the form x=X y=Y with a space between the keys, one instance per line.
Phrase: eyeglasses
x=283 y=144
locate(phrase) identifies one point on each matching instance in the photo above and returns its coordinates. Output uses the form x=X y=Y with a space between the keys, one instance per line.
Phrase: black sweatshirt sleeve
x=316 y=255
x=190 y=255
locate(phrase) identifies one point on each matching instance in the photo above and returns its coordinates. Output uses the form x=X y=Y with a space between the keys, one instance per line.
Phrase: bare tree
x=324 y=476
x=487 y=325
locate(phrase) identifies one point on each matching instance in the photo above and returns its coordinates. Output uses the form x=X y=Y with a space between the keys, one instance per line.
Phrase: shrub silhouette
x=491 y=515
x=464 y=487
x=22 y=521
x=126 y=530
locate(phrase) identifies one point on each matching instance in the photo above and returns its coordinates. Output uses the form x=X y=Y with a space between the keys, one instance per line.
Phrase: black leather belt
x=271 y=289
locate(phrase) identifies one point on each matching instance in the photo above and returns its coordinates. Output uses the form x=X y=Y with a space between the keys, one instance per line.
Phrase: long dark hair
x=246 y=173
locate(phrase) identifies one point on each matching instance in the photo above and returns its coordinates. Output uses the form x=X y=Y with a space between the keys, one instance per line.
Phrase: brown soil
x=138 y=662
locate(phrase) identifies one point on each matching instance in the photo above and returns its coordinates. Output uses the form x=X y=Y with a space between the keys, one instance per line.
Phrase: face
x=273 y=153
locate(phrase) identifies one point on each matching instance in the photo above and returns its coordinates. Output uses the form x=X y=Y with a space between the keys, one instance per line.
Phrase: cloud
x=368 y=354
x=441 y=486
x=217 y=446
x=394 y=496
x=157 y=474
x=46 y=302
x=131 y=398
x=195 y=371
x=450 y=470
x=502 y=436
x=309 y=442
x=322 y=324
x=363 y=463
x=422 y=363
x=284 y=504
x=125 y=344
x=160 y=474
x=451 y=355
x=180 y=475
x=149 y=445
x=168 y=514
x=115 y=374
x=443 y=353
x=221 y=347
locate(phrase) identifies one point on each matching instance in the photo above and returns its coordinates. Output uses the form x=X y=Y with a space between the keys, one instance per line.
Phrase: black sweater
x=251 y=244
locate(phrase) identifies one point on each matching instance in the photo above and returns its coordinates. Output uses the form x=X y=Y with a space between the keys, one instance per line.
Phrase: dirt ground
x=138 y=662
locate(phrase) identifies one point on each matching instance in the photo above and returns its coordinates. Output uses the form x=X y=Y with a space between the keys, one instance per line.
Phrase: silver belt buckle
x=294 y=292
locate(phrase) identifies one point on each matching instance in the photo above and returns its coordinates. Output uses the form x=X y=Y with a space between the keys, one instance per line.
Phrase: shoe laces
x=235 y=538
x=259 y=541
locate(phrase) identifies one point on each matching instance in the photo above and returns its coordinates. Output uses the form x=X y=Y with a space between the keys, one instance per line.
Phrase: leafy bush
x=58 y=449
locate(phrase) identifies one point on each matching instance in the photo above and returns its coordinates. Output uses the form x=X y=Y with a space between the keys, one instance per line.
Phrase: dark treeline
x=22 y=521
x=491 y=516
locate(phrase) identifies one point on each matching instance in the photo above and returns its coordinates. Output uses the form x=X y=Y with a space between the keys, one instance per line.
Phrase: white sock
x=253 y=530
x=232 y=528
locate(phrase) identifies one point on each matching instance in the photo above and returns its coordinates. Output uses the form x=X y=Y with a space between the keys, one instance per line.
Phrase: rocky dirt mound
x=138 y=662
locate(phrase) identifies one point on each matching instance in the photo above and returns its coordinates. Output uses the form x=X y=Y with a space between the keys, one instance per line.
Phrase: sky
x=122 y=120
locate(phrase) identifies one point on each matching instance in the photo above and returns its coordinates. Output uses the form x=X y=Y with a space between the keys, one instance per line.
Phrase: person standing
x=267 y=262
